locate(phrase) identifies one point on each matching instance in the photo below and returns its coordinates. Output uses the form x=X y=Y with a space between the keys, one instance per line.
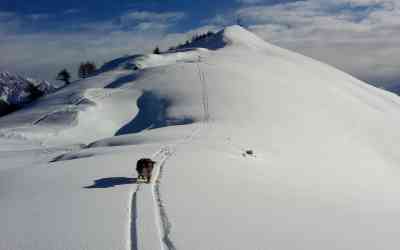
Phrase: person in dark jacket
x=144 y=167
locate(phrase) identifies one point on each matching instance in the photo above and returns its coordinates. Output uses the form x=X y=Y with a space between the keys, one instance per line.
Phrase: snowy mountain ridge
x=256 y=147
x=15 y=89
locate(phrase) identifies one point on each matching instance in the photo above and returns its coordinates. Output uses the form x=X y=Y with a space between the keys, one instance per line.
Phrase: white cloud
x=38 y=16
x=153 y=16
x=71 y=11
x=249 y=1
x=359 y=36
x=43 y=54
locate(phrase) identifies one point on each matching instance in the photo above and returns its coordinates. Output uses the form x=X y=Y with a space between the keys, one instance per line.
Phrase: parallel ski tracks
x=164 y=225
x=161 y=217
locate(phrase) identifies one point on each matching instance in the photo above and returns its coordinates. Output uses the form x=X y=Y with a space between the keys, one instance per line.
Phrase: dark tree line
x=157 y=51
x=86 y=69
x=195 y=38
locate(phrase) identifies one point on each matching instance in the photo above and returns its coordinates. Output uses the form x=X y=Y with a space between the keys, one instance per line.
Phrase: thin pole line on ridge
x=204 y=96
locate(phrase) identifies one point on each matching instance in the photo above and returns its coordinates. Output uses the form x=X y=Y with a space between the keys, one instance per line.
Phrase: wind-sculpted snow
x=152 y=114
x=155 y=60
x=117 y=64
x=259 y=147
x=69 y=115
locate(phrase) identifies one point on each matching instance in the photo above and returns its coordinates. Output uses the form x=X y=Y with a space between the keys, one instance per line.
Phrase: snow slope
x=322 y=173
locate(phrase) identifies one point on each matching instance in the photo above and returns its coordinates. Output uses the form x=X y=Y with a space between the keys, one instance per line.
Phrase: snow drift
x=322 y=173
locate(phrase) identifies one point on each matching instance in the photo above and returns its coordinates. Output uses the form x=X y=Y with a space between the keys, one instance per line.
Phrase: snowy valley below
x=256 y=147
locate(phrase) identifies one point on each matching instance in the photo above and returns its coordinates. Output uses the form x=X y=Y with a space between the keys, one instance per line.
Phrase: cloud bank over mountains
x=357 y=36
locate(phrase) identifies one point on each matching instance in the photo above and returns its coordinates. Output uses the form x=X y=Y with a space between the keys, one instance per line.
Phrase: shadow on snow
x=112 y=182
x=152 y=114
x=122 y=81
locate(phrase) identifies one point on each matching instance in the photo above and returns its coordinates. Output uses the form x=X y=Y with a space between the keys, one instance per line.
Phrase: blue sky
x=61 y=14
x=38 y=38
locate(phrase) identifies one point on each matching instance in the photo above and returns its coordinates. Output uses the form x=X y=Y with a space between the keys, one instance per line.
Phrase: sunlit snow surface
x=323 y=171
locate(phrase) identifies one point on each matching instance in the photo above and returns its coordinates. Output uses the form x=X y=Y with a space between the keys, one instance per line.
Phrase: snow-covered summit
x=232 y=35
x=237 y=35
x=257 y=148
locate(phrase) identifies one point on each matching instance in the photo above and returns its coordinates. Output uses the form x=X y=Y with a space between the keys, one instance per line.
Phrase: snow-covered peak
x=237 y=35
x=13 y=88
x=230 y=36
x=15 y=91
x=8 y=76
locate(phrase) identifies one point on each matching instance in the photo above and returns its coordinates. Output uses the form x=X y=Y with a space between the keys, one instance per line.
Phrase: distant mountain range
x=395 y=88
x=17 y=91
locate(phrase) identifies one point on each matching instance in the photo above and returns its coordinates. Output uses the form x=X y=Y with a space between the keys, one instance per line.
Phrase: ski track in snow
x=167 y=152
x=204 y=95
x=161 y=157
x=162 y=221
x=164 y=224
x=133 y=218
